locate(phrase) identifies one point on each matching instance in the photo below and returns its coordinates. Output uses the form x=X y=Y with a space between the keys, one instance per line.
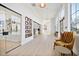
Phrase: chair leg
x=71 y=52
x=54 y=46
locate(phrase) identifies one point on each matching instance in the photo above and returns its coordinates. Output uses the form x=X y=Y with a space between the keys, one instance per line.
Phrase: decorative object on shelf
x=8 y=25
x=28 y=27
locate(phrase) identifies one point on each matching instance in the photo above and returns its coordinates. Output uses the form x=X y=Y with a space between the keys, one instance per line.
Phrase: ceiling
x=46 y=13
x=41 y=14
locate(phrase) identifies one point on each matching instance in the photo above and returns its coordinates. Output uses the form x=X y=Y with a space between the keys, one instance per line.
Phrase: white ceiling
x=42 y=14
x=46 y=13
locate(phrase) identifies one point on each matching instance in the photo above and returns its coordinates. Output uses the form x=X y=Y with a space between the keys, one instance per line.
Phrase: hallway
x=40 y=46
x=35 y=30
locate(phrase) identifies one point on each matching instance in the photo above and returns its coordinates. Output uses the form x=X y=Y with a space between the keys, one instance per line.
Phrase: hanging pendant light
x=42 y=5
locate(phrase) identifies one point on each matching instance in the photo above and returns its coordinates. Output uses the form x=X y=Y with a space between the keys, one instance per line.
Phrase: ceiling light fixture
x=42 y=5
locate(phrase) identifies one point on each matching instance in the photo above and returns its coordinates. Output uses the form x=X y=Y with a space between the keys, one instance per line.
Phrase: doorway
x=36 y=29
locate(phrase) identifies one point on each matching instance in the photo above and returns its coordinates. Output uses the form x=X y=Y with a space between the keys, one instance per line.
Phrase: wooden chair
x=66 y=40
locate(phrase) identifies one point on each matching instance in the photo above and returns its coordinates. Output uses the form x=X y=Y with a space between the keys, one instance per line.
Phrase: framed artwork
x=28 y=27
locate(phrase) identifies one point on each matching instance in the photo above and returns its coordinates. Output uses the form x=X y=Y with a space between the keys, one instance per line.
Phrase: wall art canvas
x=28 y=27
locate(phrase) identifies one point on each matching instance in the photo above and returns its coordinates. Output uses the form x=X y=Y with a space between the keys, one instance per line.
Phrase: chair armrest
x=58 y=40
x=66 y=44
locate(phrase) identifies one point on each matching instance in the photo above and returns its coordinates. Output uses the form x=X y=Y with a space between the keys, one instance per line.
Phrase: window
x=10 y=21
x=75 y=17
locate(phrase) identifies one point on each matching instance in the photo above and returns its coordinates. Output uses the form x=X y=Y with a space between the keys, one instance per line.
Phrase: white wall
x=53 y=26
x=60 y=14
x=66 y=23
x=47 y=24
x=67 y=17
x=25 y=11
